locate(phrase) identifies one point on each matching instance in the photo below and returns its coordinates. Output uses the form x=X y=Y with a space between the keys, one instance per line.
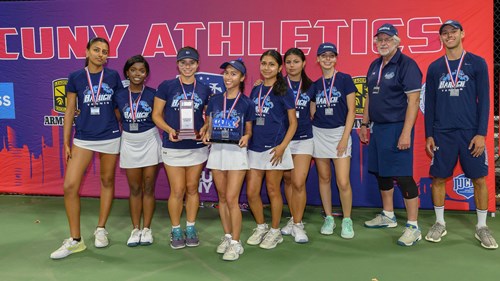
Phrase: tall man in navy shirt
x=394 y=82
x=456 y=121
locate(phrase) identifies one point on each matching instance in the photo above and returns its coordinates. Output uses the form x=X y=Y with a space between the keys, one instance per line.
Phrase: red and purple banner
x=41 y=42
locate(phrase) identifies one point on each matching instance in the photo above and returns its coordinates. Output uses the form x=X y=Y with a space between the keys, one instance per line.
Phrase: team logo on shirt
x=268 y=104
x=463 y=186
x=59 y=94
x=142 y=113
x=176 y=100
x=389 y=75
x=446 y=83
x=321 y=97
x=104 y=96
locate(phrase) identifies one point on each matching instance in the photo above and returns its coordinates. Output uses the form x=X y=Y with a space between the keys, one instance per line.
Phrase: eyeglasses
x=384 y=40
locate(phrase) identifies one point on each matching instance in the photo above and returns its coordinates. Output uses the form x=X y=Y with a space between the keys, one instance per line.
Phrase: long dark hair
x=91 y=42
x=242 y=83
x=306 y=81
x=279 y=86
x=135 y=59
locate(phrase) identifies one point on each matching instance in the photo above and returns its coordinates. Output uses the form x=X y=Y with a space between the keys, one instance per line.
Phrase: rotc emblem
x=463 y=186
x=59 y=94
x=362 y=91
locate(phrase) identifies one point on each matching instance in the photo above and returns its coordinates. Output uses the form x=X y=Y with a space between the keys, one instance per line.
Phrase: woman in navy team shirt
x=269 y=154
x=183 y=158
x=334 y=112
x=230 y=115
x=90 y=107
x=140 y=150
x=301 y=145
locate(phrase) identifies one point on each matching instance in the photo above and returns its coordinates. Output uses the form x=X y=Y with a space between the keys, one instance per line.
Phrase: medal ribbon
x=232 y=107
x=132 y=111
x=298 y=90
x=259 y=105
x=95 y=97
x=454 y=81
x=329 y=96
x=184 y=92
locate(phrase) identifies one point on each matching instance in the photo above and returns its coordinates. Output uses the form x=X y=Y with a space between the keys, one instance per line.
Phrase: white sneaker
x=299 y=233
x=134 y=239
x=146 y=237
x=410 y=236
x=68 y=247
x=224 y=244
x=287 y=229
x=233 y=252
x=271 y=240
x=257 y=235
x=101 y=238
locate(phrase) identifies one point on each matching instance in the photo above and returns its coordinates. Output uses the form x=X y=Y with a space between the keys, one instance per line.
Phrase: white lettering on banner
x=205 y=183
x=233 y=38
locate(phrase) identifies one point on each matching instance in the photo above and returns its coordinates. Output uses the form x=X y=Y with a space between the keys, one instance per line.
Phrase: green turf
x=32 y=227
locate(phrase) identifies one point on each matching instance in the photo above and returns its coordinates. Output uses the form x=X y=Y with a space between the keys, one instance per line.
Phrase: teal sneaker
x=192 y=237
x=328 y=226
x=177 y=240
x=347 y=231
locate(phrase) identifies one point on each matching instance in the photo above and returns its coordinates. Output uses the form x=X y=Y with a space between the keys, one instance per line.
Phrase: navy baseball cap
x=388 y=29
x=452 y=23
x=327 y=47
x=187 y=53
x=238 y=64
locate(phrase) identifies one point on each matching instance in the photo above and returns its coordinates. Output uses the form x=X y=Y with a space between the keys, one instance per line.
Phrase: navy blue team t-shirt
x=171 y=92
x=91 y=127
x=231 y=120
x=302 y=107
x=343 y=86
x=275 y=115
x=142 y=109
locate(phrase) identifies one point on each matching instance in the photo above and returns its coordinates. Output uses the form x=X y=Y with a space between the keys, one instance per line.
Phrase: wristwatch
x=364 y=124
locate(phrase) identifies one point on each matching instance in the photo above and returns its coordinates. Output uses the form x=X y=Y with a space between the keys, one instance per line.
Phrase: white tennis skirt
x=262 y=160
x=302 y=147
x=326 y=142
x=226 y=157
x=139 y=150
x=184 y=157
x=111 y=146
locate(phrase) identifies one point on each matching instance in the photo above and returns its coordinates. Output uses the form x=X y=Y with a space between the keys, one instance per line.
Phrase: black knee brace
x=385 y=183
x=408 y=187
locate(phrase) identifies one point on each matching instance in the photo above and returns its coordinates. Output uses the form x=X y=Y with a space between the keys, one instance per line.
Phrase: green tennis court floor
x=33 y=227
